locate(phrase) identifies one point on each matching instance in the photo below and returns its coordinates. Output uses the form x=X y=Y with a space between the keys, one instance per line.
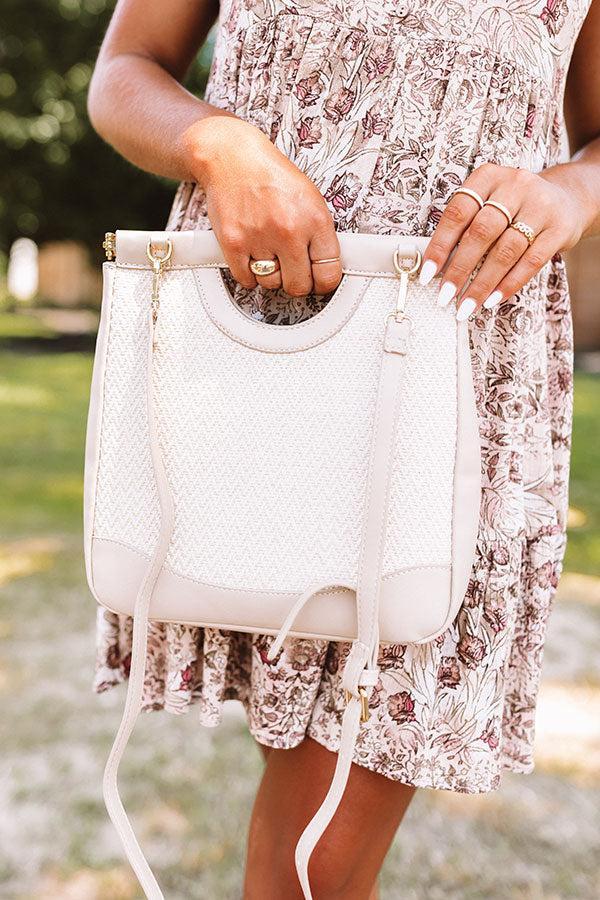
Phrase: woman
x=379 y=116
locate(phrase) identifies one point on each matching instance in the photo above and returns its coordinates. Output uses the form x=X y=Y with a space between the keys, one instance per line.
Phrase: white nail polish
x=447 y=292
x=493 y=300
x=465 y=309
x=428 y=270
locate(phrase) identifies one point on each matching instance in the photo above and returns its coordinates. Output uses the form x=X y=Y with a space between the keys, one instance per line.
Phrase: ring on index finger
x=473 y=194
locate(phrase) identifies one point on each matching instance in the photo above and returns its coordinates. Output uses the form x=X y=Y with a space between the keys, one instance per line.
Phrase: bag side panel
x=94 y=419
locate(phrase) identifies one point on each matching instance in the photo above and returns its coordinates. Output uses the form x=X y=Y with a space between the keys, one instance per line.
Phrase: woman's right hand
x=261 y=206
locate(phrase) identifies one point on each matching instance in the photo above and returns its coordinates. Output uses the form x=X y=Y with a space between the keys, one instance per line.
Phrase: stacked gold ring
x=524 y=229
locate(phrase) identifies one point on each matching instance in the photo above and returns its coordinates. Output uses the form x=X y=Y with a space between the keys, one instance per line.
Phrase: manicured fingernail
x=447 y=292
x=493 y=300
x=465 y=309
x=428 y=270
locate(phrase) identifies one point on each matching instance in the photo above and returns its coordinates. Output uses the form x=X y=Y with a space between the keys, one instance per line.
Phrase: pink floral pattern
x=387 y=106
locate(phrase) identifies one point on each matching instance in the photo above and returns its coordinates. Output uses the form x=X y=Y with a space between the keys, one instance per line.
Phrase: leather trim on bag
x=118 y=570
x=228 y=317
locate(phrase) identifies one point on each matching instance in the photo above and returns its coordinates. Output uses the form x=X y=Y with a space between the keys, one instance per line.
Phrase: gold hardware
x=109 y=245
x=364 y=702
x=264 y=266
x=525 y=229
x=406 y=267
x=159 y=261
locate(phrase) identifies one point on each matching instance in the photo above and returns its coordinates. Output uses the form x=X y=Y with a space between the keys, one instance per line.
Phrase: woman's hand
x=552 y=204
x=261 y=206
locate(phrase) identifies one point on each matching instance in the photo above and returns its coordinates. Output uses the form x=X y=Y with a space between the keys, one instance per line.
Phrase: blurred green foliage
x=57 y=178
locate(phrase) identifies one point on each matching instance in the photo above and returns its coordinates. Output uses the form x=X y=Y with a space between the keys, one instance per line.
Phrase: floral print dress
x=388 y=105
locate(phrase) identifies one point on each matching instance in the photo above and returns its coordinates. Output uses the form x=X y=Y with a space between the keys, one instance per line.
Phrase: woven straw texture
x=267 y=453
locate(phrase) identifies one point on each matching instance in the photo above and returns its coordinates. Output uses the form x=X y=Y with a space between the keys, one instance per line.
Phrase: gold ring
x=264 y=266
x=318 y=262
x=501 y=208
x=524 y=229
x=473 y=194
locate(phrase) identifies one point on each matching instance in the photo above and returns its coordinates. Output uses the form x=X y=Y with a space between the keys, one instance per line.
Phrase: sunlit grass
x=23 y=396
x=576 y=518
x=43 y=402
x=24 y=557
x=568 y=730
x=116 y=883
x=579 y=588
x=583 y=548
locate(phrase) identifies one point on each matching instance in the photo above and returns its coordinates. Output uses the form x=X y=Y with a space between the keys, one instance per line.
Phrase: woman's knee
x=336 y=875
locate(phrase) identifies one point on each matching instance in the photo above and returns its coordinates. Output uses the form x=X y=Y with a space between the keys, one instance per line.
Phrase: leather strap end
x=397 y=335
x=368 y=678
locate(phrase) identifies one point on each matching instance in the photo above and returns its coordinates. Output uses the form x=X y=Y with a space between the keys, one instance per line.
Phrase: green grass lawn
x=22 y=326
x=43 y=402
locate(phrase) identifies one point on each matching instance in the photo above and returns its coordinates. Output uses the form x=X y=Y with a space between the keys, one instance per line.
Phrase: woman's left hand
x=483 y=235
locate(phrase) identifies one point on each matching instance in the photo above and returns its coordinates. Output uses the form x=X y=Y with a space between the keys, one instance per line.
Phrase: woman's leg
x=347 y=859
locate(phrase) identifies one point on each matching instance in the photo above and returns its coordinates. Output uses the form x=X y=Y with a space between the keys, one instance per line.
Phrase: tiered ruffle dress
x=388 y=105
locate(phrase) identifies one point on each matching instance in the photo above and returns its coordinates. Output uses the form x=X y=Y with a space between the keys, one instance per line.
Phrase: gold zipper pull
x=109 y=245
x=159 y=262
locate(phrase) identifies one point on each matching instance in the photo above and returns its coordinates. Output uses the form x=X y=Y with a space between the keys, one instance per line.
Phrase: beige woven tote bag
x=319 y=479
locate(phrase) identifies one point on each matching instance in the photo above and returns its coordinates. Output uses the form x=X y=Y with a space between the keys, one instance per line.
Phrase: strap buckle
x=364 y=702
x=406 y=263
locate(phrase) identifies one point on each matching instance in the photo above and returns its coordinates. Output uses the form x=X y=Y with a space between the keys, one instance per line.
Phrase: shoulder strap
x=360 y=673
x=137 y=672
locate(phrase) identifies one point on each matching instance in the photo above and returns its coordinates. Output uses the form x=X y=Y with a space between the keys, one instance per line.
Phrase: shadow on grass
x=60 y=343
